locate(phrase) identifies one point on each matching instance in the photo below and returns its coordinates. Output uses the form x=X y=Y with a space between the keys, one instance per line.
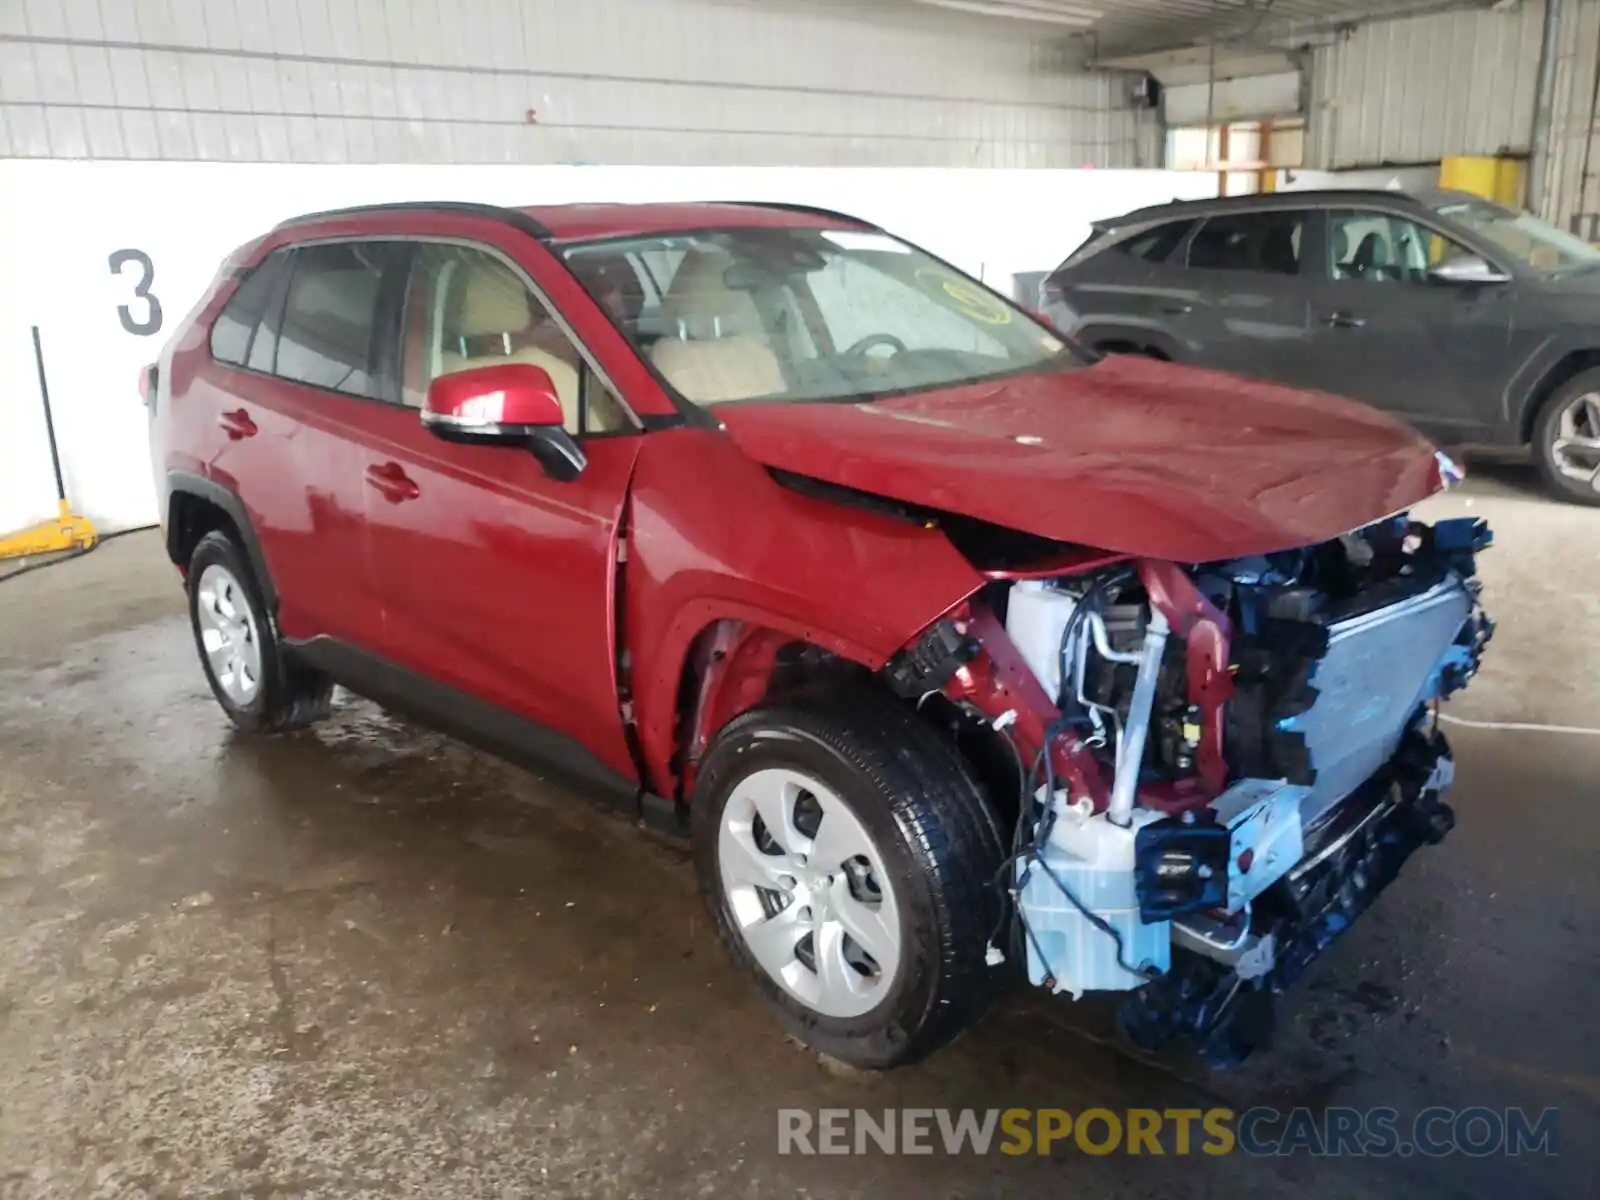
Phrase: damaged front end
x=1223 y=764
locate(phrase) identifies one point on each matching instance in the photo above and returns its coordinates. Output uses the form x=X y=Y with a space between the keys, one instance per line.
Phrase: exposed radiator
x=1378 y=668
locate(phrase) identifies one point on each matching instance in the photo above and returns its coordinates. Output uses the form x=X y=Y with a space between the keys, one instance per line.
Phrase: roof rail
x=809 y=209
x=510 y=216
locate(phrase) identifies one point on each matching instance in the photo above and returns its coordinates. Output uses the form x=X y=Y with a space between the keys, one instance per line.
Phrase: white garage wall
x=750 y=82
x=1418 y=90
x=61 y=235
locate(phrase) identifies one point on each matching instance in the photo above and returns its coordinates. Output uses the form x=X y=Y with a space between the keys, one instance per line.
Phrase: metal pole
x=49 y=421
x=1544 y=102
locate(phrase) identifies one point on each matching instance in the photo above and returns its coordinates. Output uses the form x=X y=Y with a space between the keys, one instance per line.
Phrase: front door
x=496 y=580
x=1434 y=354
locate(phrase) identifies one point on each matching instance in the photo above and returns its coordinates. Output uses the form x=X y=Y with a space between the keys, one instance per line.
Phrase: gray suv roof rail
x=1260 y=202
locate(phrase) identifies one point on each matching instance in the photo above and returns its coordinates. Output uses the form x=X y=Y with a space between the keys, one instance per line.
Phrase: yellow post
x=1500 y=179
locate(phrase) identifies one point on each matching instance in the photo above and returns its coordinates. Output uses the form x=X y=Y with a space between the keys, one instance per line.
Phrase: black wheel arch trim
x=1087 y=335
x=225 y=498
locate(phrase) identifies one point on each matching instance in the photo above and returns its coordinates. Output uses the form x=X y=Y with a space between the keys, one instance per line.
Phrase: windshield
x=1520 y=234
x=806 y=314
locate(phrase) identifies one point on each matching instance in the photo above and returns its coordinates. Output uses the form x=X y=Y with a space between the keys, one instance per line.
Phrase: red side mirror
x=488 y=404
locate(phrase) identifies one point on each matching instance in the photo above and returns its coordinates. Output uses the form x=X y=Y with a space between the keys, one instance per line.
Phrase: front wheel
x=847 y=857
x=1566 y=439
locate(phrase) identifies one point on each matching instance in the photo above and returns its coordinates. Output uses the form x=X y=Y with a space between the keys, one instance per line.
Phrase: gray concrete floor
x=368 y=961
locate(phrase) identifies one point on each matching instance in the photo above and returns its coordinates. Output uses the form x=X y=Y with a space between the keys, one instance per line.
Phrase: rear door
x=1434 y=354
x=494 y=579
x=1238 y=301
x=293 y=354
x=1113 y=294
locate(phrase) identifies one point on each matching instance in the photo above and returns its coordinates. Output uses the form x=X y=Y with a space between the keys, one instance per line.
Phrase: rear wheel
x=258 y=687
x=1566 y=439
x=847 y=858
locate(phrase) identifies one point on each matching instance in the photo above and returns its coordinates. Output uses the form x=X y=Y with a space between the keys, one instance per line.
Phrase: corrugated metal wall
x=1417 y=90
x=779 y=82
x=1572 y=185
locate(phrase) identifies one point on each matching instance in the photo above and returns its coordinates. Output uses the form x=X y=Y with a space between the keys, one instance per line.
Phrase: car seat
x=493 y=324
x=1371 y=257
x=715 y=348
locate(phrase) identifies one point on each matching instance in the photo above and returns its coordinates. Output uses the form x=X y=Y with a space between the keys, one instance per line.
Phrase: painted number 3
x=141 y=291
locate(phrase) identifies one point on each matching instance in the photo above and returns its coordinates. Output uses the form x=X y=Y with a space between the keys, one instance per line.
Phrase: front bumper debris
x=1225 y=1003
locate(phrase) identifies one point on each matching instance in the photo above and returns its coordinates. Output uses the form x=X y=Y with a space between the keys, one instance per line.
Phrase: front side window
x=1265 y=243
x=466 y=308
x=806 y=314
x=1379 y=247
x=1519 y=234
x=327 y=337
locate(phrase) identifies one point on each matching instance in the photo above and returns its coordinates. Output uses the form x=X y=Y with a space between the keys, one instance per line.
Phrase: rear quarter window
x=235 y=326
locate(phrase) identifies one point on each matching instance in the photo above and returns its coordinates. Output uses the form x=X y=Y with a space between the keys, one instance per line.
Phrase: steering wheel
x=872 y=340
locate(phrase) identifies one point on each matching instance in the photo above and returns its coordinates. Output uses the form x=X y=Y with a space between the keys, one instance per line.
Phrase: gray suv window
x=1155 y=245
x=1263 y=242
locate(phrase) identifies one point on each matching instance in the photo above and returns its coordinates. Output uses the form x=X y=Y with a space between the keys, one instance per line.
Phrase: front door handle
x=1177 y=310
x=391 y=479
x=1344 y=320
x=238 y=424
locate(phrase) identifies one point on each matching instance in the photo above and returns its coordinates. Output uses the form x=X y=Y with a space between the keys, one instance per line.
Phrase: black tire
x=289 y=694
x=1545 y=430
x=940 y=844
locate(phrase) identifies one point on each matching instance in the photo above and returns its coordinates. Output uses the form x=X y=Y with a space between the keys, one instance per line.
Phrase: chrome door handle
x=1344 y=320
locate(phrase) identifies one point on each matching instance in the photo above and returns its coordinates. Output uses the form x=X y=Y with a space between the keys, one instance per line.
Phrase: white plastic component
x=1094 y=859
x=1036 y=616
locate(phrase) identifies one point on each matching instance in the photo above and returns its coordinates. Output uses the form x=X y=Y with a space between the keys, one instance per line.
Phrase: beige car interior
x=493 y=322
x=715 y=349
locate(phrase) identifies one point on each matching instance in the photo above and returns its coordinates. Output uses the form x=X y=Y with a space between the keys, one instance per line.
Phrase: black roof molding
x=494 y=212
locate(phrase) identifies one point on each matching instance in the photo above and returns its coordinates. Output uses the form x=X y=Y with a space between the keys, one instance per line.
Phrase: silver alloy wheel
x=1576 y=449
x=809 y=893
x=228 y=633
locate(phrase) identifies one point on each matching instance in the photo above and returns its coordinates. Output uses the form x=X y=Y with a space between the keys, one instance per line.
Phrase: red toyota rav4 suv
x=952 y=649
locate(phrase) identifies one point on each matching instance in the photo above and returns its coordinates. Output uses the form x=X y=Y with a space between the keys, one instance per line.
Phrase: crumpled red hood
x=1131 y=455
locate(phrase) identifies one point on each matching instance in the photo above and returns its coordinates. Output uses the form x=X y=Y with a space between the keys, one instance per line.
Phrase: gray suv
x=1476 y=323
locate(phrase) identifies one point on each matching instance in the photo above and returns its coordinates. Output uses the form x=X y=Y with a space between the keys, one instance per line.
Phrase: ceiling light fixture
x=1024 y=10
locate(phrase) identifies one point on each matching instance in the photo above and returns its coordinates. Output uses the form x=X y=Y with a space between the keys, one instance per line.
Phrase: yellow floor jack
x=69 y=530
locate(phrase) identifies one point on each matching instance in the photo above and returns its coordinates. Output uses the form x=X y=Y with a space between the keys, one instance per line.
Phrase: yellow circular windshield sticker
x=971 y=299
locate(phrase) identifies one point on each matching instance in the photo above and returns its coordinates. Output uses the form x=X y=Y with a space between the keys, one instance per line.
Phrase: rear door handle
x=391 y=479
x=238 y=424
x=1177 y=310
x=1344 y=320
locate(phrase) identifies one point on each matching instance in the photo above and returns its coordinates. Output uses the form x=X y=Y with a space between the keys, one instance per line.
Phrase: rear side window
x=1155 y=245
x=330 y=318
x=235 y=326
x=1267 y=243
